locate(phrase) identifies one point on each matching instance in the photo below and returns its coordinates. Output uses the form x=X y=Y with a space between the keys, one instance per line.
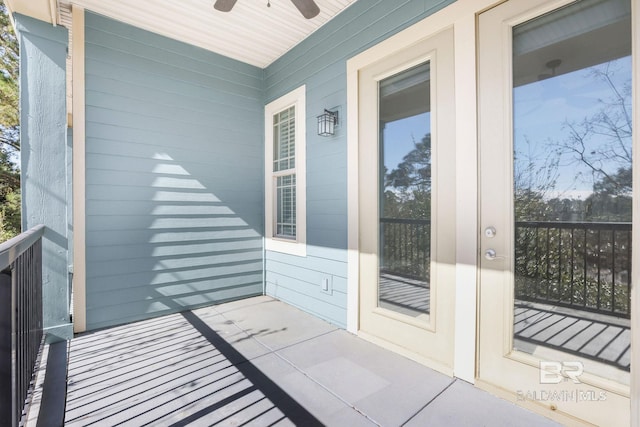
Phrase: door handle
x=491 y=255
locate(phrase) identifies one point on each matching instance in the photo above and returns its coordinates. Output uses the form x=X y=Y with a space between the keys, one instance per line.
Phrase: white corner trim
x=53 y=10
x=297 y=98
x=79 y=174
x=353 y=208
x=465 y=339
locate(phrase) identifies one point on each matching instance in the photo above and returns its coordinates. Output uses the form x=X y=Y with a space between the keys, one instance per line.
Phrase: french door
x=555 y=206
x=407 y=200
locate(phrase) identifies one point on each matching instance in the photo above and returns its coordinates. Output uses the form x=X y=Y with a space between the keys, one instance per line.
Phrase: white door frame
x=635 y=262
x=461 y=16
x=427 y=338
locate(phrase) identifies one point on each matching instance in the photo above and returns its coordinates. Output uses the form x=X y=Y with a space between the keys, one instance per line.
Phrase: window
x=284 y=170
x=285 y=202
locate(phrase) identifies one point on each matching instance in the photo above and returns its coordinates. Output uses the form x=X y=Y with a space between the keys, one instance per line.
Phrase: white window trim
x=297 y=247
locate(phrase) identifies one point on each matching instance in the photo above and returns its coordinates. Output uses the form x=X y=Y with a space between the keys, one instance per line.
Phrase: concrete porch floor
x=262 y=362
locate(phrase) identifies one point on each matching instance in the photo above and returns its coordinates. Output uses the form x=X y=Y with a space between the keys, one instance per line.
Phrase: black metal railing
x=21 y=320
x=405 y=247
x=582 y=265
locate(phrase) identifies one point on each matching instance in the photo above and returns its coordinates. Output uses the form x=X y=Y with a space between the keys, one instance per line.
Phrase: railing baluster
x=396 y=245
x=559 y=263
x=417 y=239
x=547 y=278
x=537 y=276
x=584 y=277
x=599 y=251
x=613 y=271
x=404 y=247
x=573 y=259
x=629 y=237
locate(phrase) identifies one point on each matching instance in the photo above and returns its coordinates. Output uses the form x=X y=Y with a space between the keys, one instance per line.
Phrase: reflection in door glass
x=572 y=186
x=405 y=192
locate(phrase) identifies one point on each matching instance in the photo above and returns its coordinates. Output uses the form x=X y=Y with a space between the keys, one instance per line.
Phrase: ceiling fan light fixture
x=308 y=8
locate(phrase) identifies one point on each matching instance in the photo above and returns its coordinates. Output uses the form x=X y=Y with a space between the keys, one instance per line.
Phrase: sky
x=542 y=108
x=400 y=137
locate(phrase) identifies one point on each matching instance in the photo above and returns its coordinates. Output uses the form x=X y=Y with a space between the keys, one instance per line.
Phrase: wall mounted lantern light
x=327 y=122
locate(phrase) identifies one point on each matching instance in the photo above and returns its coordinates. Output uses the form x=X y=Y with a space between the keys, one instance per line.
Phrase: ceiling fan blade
x=224 y=5
x=308 y=8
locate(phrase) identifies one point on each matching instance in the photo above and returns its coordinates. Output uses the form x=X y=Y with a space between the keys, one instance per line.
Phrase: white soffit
x=251 y=32
x=44 y=10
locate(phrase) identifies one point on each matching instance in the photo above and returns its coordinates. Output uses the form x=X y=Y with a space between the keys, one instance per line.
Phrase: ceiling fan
x=308 y=8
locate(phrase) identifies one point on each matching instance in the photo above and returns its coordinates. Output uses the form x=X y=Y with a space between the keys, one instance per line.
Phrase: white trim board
x=79 y=174
x=635 y=261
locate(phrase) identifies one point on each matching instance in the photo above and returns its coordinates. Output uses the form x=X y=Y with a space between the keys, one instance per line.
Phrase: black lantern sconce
x=327 y=122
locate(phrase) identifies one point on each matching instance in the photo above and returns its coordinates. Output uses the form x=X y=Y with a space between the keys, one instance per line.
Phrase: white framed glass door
x=555 y=206
x=407 y=202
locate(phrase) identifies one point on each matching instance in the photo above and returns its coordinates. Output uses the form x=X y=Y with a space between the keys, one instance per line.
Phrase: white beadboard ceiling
x=251 y=32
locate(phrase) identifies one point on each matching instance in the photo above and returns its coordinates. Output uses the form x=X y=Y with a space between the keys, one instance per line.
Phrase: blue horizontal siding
x=105 y=253
x=131 y=294
x=174 y=175
x=319 y=62
x=156 y=193
x=300 y=296
x=174 y=219
x=170 y=303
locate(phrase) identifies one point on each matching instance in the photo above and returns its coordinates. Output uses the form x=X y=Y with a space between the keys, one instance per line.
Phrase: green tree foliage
x=415 y=169
x=9 y=129
x=611 y=198
x=408 y=187
x=536 y=174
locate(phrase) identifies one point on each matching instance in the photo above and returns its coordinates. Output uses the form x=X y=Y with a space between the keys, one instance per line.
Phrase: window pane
x=284 y=140
x=572 y=185
x=405 y=191
x=286 y=206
